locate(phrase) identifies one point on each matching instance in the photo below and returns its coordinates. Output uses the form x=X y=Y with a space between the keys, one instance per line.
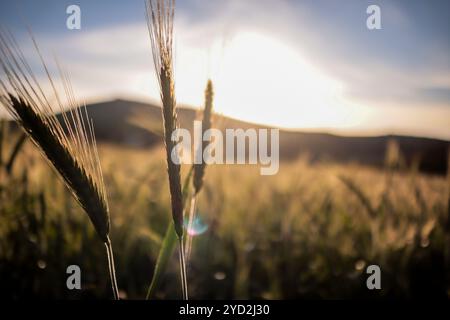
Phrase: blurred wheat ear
x=69 y=147
x=199 y=169
x=160 y=16
x=14 y=153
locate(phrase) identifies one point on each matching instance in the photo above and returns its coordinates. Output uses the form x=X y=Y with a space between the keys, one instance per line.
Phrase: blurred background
x=364 y=118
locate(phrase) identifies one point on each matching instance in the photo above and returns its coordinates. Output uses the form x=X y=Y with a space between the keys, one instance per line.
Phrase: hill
x=139 y=125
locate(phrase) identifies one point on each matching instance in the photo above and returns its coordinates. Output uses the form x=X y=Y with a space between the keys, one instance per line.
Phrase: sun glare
x=265 y=81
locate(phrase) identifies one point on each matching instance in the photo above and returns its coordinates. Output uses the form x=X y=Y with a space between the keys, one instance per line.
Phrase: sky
x=310 y=64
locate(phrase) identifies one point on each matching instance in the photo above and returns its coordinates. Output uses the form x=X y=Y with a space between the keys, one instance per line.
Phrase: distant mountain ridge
x=139 y=125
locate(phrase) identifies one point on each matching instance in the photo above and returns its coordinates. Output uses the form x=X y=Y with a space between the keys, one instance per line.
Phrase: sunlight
x=258 y=75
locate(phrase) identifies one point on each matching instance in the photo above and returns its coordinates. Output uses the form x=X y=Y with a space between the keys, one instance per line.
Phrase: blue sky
x=302 y=64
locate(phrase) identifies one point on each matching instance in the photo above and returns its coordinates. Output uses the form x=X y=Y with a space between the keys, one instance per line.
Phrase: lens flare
x=198 y=226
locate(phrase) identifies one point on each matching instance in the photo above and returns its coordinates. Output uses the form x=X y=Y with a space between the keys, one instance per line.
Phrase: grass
x=69 y=147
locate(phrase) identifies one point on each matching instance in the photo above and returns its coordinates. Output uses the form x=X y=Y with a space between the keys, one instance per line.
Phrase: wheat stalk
x=199 y=169
x=160 y=15
x=14 y=152
x=69 y=147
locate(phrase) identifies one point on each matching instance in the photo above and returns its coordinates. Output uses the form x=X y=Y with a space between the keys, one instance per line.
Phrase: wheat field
x=336 y=208
x=308 y=232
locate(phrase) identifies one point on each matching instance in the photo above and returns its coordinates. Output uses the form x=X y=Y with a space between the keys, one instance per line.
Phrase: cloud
x=389 y=66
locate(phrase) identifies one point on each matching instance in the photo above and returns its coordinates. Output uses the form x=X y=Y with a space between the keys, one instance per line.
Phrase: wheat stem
x=160 y=16
x=183 y=271
x=199 y=169
x=111 y=268
x=190 y=226
x=168 y=245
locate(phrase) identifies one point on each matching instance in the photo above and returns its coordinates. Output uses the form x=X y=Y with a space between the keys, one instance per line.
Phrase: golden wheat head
x=160 y=14
x=69 y=145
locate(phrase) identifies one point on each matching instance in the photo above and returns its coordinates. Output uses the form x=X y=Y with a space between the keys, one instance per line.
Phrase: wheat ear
x=160 y=15
x=69 y=147
x=199 y=169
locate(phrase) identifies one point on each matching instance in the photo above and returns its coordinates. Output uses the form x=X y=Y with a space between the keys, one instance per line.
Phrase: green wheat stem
x=168 y=245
